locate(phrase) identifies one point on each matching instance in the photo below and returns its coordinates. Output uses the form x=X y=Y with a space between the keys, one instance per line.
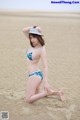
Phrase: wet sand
x=62 y=36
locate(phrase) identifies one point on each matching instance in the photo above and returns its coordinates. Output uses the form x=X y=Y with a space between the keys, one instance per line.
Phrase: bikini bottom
x=37 y=73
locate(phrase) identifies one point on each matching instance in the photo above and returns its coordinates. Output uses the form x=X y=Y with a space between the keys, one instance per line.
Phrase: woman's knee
x=28 y=100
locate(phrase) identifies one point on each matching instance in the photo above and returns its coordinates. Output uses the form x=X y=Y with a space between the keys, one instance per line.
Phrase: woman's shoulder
x=43 y=48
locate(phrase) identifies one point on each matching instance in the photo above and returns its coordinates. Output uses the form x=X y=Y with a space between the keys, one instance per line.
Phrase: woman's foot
x=58 y=93
x=61 y=95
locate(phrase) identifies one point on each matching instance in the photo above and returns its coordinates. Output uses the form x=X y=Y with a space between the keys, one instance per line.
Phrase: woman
x=35 y=75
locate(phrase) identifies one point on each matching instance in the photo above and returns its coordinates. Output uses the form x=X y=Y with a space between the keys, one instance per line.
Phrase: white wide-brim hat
x=35 y=31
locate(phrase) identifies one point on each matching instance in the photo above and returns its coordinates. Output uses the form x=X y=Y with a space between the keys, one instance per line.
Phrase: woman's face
x=34 y=40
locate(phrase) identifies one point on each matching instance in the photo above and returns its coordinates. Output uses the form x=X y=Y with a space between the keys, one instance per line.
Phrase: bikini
x=38 y=73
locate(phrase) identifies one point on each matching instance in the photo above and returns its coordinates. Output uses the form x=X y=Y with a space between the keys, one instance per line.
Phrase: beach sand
x=62 y=37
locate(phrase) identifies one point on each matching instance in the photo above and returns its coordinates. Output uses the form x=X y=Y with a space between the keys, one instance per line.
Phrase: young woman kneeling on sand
x=36 y=52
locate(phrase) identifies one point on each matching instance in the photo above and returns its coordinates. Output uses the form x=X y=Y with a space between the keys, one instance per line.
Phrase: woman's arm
x=45 y=64
x=26 y=31
x=45 y=71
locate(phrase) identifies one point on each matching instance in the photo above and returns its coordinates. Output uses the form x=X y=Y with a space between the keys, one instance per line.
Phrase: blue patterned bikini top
x=29 y=55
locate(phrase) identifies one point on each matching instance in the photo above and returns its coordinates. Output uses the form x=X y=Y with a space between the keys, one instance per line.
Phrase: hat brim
x=35 y=33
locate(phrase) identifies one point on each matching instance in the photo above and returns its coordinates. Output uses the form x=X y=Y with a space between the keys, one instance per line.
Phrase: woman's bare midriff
x=32 y=67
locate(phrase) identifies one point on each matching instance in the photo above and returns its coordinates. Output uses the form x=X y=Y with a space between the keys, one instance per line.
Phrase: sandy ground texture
x=62 y=37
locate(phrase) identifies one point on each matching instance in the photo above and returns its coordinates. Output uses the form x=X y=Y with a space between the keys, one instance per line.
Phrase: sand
x=62 y=36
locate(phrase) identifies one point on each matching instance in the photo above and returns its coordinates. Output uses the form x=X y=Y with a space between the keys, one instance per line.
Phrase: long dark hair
x=39 y=38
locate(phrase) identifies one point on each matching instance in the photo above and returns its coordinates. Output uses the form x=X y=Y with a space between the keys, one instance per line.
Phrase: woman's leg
x=38 y=88
x=57 y=93
x=32 y=85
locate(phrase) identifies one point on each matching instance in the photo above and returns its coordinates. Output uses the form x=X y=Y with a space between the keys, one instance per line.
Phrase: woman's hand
x=47 y=87
x=39 y=29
